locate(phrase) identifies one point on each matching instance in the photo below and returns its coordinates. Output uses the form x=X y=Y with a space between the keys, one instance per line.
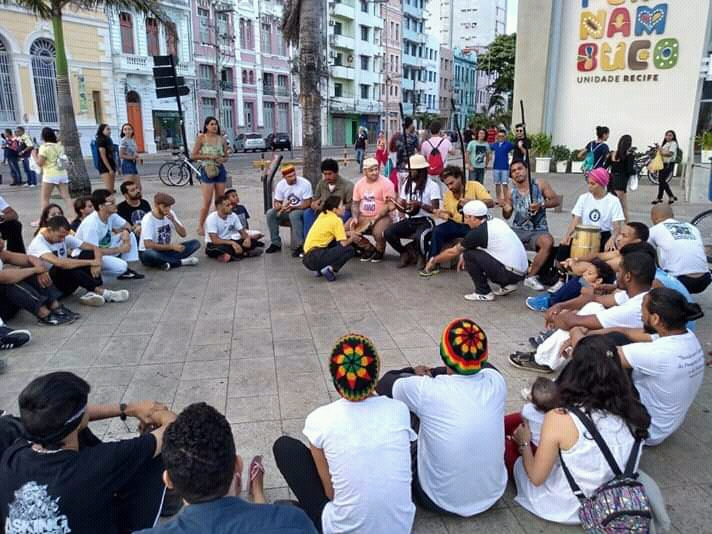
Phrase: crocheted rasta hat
x=463 y=346
x=354 y=366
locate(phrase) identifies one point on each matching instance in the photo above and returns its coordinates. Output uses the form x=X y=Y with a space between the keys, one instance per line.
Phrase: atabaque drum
x=586 y=240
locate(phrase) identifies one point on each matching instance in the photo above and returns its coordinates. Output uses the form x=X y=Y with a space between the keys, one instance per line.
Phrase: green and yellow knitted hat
x=463 y=346
x=354 y=367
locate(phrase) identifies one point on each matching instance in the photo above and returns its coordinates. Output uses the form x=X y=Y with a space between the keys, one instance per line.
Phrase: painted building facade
x=414 y=45
x=471 y=23
x=464 y=84
x=445 y=83
x=392 y=66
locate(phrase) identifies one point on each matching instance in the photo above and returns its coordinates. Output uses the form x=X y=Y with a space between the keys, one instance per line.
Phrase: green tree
x=499 y=60
x=52 y=10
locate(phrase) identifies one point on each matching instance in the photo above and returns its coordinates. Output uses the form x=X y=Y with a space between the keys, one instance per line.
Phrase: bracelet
x=522 y=446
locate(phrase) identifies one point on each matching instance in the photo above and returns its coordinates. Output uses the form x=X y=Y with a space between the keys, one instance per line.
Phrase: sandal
x=256 y=468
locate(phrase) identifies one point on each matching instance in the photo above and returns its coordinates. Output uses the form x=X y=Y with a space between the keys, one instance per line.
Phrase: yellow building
x=27 y=73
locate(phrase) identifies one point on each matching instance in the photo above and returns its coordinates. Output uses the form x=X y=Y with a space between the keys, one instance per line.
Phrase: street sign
x=170 y=92
x=170 y=81
x=164 y=72
x=163 y=60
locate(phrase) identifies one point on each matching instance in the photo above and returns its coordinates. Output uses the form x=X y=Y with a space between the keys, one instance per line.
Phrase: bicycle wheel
x=703 y=222
x=164 y=170
x=179 y=175
x=653 y=177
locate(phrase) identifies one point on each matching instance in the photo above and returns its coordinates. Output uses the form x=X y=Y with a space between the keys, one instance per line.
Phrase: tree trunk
x=69 y=136
x=310 y=34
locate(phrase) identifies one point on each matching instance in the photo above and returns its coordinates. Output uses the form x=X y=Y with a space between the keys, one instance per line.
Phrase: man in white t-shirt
x=355 y=476
x=490 y=251
x=54 y=246
x=438 y=142
x=11 y=228
x=105 y=229
x=460 y=462
x=225 y=238
x=681 y=251
x=292 y=196
x=155 y=247
x=589 y=312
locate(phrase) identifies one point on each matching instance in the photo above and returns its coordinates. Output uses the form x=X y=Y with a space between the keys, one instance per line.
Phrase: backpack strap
x=569 y=477
x=440 y=143
x=588 y=423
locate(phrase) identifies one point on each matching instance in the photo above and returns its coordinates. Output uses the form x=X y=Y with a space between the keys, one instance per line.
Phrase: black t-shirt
x=476 y=238
x=68 y=491
x=518 y=154
x=107 y=144
x=133 y=215
x=361 y=141
x=242 y=214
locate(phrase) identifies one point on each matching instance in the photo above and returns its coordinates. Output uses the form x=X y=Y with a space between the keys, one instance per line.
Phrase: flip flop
x=256 y=468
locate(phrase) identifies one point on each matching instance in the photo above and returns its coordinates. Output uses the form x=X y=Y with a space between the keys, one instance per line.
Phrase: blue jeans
x=157 y=258
x=310 y=216
x=360 y=152
x=31 y=176
x=570 y=290
x=296 y=221
x=442 y=233
x=14 y=164
x=477 y=175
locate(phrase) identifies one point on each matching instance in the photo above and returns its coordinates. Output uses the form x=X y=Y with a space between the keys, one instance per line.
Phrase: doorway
x=133 y=114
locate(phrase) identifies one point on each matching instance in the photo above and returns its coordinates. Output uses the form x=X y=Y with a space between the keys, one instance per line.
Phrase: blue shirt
x=233 y=515
x=501 y=155
x=671 y=282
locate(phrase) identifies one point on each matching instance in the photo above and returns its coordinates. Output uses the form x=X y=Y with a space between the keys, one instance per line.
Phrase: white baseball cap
x=475 y=208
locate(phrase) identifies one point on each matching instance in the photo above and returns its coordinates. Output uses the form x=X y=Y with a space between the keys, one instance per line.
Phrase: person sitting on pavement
x=29 y=287
x=292 y=196
x=11 y=338
x=597 y=208
x=595 y=384
x=490 y=251
x=62 y=478
x=331 y=184
x=371 y=211
x=241 y=211
x=155 y=248
x=134 y=206
x=82 y=208
x=680 y=248
x=54 y=246
x=592 y=312
x=105 y=229
x=459 y=192
x=11 y=228
x=418 y=199
x=327 y=248
x=202 y=466
x=355 y=473
x=225 y=238
x=530 y=223
x=49 y=211
x=460 y=408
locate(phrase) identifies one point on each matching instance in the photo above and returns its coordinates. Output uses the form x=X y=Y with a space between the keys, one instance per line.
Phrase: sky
x=512 y=16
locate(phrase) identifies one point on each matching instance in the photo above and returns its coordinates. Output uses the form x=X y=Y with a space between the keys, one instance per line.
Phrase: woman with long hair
x=128 y=152
x=668 y=150
x=622 y=162
x=107 y=163
x=210 y=148
x=51 y=158
x=49 y=211
x=595 y=383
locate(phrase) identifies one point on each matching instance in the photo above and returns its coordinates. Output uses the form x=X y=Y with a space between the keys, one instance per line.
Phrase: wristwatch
x=122 y=411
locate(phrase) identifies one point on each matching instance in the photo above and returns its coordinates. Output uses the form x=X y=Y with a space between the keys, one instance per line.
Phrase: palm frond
x=39 y=8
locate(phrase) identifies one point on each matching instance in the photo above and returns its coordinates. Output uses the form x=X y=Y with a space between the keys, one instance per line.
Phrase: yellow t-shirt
x=327 y=227
x=473 y=191
x=51 y=152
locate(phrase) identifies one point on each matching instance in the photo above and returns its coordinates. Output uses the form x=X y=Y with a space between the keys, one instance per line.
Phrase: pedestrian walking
x=360 y=146
x=128 y=152
x=668 y=150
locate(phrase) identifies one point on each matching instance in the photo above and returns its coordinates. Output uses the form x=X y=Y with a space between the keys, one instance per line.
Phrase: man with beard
x=332 y=184
x=134 y=207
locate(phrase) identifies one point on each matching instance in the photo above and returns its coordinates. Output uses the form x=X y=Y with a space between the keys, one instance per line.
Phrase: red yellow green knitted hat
x=354 y=366
x=463 y=347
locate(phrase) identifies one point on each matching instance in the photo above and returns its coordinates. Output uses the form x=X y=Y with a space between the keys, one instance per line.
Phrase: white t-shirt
x=430 y=192
x=427 y=147
x=367 y=446
x=667 y=373
x=39 y=246
x=157 y=230
x=680 y=247
x=601 y=212
x=227 y=228
x=293 y=194
x=628 y=313
x=459 y=415
x=3 y=204
x=93 y=230
x=499 y=241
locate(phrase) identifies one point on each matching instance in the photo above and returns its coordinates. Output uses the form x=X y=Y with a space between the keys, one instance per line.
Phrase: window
x=223 y=28
x=207 y=107
x=282 y=85
x=397 y=29
x=252 y=77
x=7 y=102
x=268 y=83
x=96 y=101
x=126 y=28
x=152 y=37
x=171 y=32
x=337 y=28
x=364 y=33
x=207 y=77
x=283 y=117
x=266 y=38
x=339 y=59
x=364 y=62
x=204 y=18
x=248 y=110
x=228 y=121
x=338 y=89
x=364 y=91
x=268 y=115
x=364 y=6
x=43 y=53
x=281 y=45
x=392 y=30
x=247 y=40
x=244 y=76
x=226 y=79
x=243 y=40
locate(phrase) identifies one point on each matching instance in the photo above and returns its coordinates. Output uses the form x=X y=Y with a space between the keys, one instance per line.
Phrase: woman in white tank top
x=595 y=382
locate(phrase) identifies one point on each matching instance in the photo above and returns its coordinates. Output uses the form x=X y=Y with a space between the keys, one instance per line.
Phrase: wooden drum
x=586 y=240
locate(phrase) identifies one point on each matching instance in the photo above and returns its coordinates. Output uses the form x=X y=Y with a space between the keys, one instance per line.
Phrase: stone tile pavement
x=251 y=338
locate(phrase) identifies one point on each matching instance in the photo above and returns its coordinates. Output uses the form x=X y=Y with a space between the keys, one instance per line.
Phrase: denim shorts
x=128 y=167
x=221 y=178
x=501 y=176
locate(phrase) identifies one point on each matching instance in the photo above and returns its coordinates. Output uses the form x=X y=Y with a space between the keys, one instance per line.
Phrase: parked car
x=254 y=142
x=279 y=140
x=239 y=143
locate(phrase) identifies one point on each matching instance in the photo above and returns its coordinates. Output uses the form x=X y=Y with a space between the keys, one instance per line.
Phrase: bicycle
x=641 y=162
x=703 y=222
x=179 y=171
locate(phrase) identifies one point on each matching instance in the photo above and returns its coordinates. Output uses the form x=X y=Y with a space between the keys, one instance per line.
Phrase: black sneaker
x=63 y=310
x=272 y=249
x=259 y=243
x=525 y=360
x=367 y=255
x=298 y=252
x=11 y=339
x=54 y=319
x=130 y=274
x=377 y=257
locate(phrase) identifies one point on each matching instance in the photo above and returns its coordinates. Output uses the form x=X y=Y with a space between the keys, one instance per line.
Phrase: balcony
x=227 y=85
x=342 y=10
x=410 y=9
x=345 y=73
x=133 y=63
x=268 y=90
x=342 y=41
x=207 y=84
x=282 y=91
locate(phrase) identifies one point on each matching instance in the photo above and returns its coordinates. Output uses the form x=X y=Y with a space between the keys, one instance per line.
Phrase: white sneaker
x=478 y=297
x=122 y=295
x=558 y=285
x=533 y=282
x=166 y=267
x=192 y=260
x=92 y=299
x=506 y=290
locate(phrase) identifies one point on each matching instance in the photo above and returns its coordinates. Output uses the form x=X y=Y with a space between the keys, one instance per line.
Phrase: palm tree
x=301 y=26
x=52 y=10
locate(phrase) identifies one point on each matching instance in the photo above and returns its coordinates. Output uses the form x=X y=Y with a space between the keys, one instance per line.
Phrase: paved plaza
x=252 y=339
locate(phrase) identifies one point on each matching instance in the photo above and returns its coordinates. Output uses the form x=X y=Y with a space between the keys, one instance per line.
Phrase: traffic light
x=168 y=83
